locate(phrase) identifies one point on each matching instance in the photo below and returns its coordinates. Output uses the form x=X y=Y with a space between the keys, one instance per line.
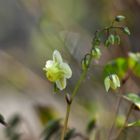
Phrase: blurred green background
x=30 y=30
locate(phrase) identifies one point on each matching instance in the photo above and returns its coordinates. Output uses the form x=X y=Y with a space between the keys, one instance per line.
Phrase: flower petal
x=57 y=56
x=115 y=82
x=61 y=84
x=107 y=83
x=49 y=64
x=118 y=81
x=67 y=70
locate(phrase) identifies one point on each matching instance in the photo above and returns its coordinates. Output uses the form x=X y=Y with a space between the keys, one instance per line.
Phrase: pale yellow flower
x=58 y=71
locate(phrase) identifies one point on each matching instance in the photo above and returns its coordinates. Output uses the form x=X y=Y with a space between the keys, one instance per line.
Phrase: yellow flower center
x=55 y=73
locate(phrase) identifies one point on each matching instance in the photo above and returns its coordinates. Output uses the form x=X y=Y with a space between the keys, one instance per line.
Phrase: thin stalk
x=66 y=121
x=69 y=103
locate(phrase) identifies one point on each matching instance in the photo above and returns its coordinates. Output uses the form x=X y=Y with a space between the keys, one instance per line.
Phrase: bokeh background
x=30 y=30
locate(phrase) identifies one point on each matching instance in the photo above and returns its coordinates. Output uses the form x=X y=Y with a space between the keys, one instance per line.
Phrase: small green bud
x=85 y=62
x=126 y=30
x=117 y=39
x=96 y=53
x=119 y=18
x=107 y=43
x=111 y=39
x=112 y=81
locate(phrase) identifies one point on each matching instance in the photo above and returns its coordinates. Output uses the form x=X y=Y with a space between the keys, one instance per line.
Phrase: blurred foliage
x=52 y=128
x=91 y=125
x=69 y=134
x=134 y=63
x=46 y=113
x=120 y=121
x=2 y=120
x=134 y=124
x=118 y=66
x=11 y=130
x=133 y=98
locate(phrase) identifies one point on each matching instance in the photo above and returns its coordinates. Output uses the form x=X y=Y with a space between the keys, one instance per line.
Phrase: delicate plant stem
x=66 y=121
x=69 y=103
x=127 y=116
x=82 y=77
x=115 y=114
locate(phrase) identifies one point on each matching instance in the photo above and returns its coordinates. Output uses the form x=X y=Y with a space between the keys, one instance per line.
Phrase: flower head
x=111 y=81
x=57 y=71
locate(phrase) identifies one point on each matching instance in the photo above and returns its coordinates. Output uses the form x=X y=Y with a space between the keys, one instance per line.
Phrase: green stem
x=69 y=103
x=82 y=77
x=66 y=121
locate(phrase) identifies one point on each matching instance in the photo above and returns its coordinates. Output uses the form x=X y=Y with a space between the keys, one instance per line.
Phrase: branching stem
x=98 y=33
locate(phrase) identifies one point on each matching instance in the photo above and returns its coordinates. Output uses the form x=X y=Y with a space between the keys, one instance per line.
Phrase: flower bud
x=112 y=81
x=96 y=53
x=119 y=18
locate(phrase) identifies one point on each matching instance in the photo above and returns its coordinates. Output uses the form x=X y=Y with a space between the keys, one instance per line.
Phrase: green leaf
x=133 y=124
x=134 y=63
x=126 y=30
x=134 y=98
x=11 y=130
x=119 y=18
x=45 y=113
x=69 y=134
x=15 y=120
x=91 y=125
x=2 y=120
x=118 y=66
x=51 y=128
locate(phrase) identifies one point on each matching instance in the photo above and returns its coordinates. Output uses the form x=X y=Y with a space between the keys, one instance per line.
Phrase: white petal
x=115 y=82
x=118 y=81
x=61 y=84
x=57 y=56
x=67 y=70
x=107 y=83
x=49 y=64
